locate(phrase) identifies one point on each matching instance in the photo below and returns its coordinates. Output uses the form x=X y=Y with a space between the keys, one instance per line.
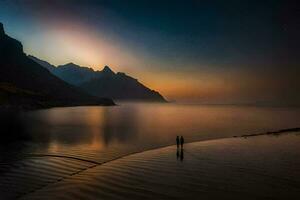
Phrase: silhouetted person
x=181 y=141
x=177 y=153
x=181 y=154
x=177 y=141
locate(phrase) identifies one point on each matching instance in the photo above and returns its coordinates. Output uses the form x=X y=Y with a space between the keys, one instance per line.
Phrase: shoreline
x=276 y=132
x=204 y=163
x=198 y=152
x=269 y=133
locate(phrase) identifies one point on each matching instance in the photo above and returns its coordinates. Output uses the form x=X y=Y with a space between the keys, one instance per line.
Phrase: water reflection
x=12 y=127
x=126 y=120
x=81 y=127
x=180 y=154
x=145 y=125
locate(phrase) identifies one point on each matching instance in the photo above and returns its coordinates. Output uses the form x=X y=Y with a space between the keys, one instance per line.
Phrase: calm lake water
x=138 y=126
x=68 y=146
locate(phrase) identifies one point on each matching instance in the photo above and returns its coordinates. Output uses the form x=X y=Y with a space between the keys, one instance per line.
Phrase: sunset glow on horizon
x=206 y=55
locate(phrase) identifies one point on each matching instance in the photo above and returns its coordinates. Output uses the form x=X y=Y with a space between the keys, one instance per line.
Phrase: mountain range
x=25 y=83
x=105 y=83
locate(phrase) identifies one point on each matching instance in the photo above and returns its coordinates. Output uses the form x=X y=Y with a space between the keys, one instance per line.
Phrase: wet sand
x=260 y=167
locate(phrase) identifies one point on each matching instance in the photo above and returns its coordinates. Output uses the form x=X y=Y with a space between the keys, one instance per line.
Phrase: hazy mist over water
x=69 y=148
x=148 y=125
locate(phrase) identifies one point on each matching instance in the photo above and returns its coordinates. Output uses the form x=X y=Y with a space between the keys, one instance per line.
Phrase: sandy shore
x=261 y=167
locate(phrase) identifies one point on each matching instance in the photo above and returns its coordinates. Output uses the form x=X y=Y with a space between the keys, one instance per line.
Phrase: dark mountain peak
x=121 y=74
x=33 y=57
x=105 y=83
x=1 y=29
x=125 y=76
x=43 y=63
x=120 y=86
x=9 y=46
x=26 y=84
x=70 y=64
x=74 y=74
x=76 y=67
x=107 y=70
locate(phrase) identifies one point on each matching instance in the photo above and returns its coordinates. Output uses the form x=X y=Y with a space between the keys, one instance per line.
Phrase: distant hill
x=70 y=72
x=43 y=63
x=104 y=83
x=25 y=83
x=120 y=86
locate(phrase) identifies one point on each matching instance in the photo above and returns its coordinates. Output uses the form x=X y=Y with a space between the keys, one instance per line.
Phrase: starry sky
x=196 y=51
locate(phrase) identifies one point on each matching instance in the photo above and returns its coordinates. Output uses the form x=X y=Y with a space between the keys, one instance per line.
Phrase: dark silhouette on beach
x=181 y=142
x=177 y=154
x=177 y=141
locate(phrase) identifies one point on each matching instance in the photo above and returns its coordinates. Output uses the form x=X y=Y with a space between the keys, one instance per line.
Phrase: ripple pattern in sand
x=263 y=167
x=31 y=174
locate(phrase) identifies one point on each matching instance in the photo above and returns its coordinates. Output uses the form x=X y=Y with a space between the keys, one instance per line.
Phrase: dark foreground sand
x=260 y=167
